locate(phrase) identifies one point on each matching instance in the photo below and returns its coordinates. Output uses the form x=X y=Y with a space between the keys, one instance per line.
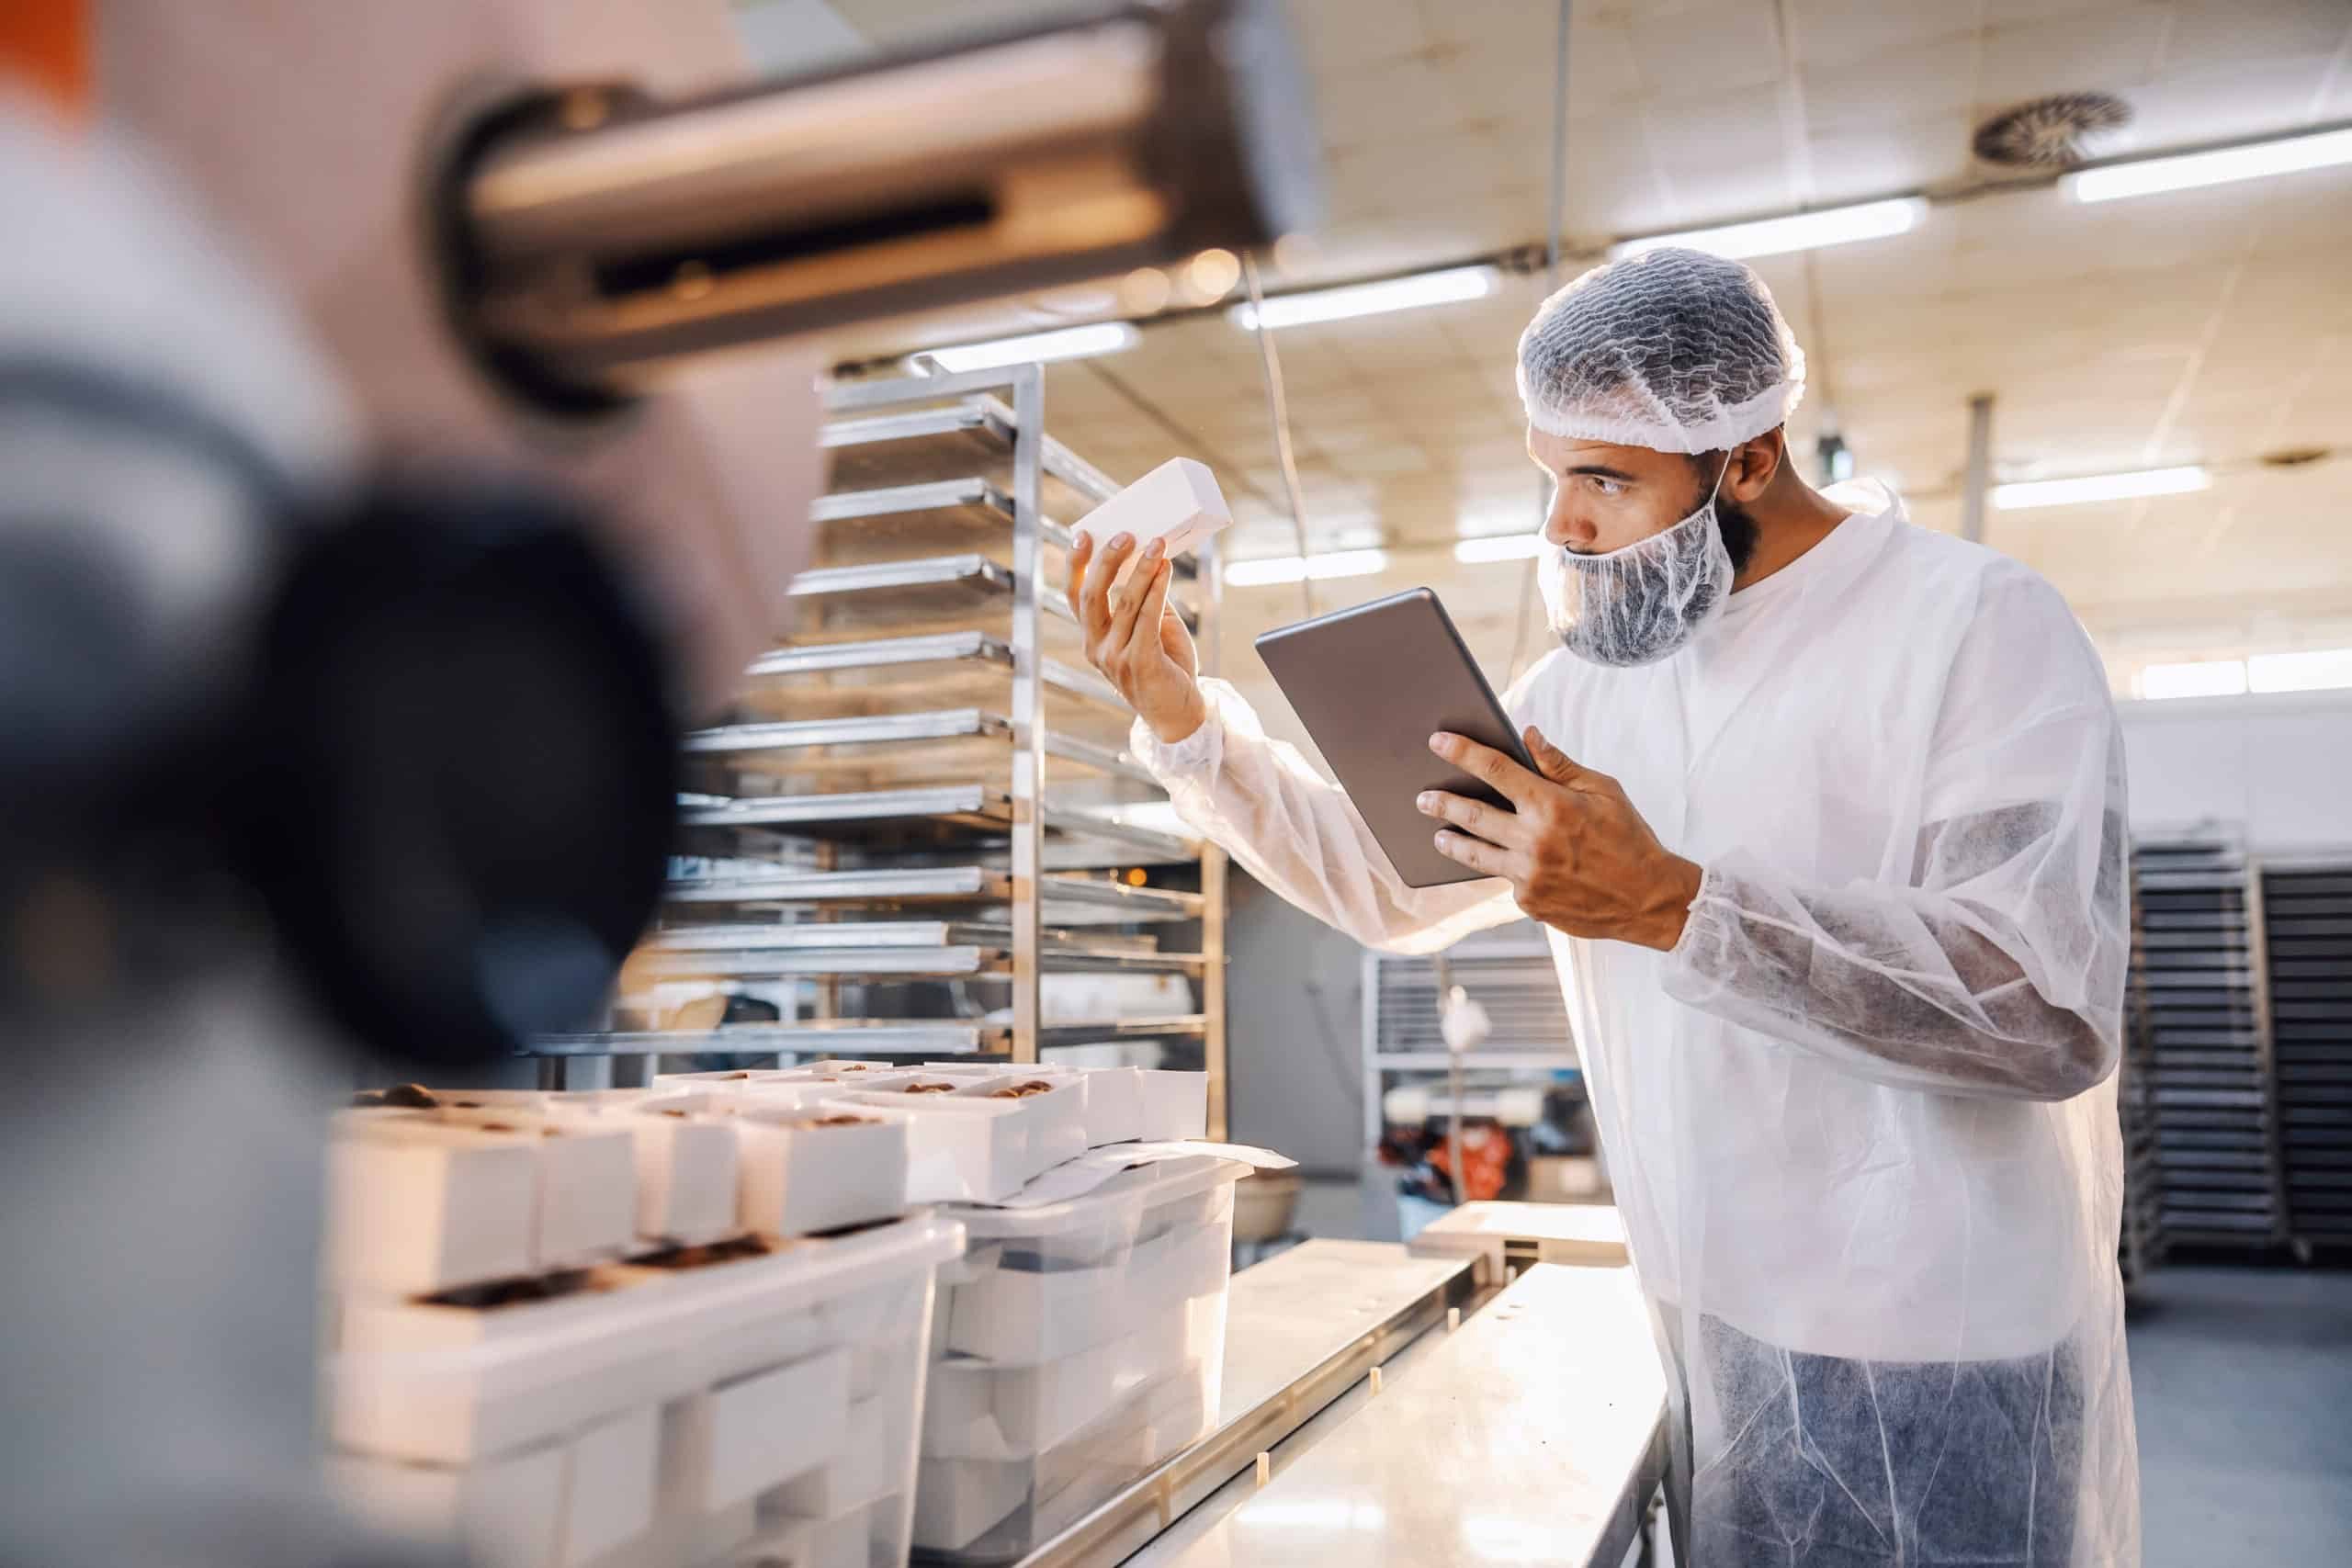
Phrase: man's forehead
x=1564 y=452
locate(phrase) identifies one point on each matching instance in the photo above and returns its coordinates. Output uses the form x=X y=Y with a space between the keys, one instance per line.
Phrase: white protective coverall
x=1861 y=1119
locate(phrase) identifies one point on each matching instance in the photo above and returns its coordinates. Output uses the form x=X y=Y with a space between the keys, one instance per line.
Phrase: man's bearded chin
x=1739 y=532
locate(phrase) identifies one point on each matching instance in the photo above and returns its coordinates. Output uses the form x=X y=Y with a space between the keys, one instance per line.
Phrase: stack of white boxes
x=688 y=1325
x=586 y=1330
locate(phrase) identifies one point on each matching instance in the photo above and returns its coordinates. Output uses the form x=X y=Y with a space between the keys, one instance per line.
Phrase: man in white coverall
x=1829 y=835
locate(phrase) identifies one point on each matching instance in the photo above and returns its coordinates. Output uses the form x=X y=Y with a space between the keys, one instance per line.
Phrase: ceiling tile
x=2110 y=50
x=2225 y=32
x=1685 y=57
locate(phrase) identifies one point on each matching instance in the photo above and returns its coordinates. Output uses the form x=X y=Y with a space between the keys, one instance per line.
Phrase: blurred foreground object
x=552 y=192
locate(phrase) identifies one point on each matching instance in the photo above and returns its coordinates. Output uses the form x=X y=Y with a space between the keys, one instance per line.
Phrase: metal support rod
x=1028 y=704
x=1977 y=487
x=1209 y=642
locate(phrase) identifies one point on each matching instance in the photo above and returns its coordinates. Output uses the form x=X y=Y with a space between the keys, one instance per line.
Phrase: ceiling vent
x=2051 y=133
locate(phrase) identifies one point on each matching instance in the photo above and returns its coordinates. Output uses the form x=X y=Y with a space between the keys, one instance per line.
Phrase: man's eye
x=1607 y=487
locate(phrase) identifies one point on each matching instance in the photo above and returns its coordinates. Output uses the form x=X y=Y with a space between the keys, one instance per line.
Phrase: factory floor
x=2243 y=1378
x=2243 y=1381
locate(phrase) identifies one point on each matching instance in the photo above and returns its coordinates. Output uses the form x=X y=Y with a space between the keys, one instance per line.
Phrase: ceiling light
x=1499 y=547
x=1034 y=348
x=2202 y=678
x=2185 y=171
x=1798 y=232
x=2101 y=487
x=1370 y=299
x=2324 y=670
x=1214 y=272
x=1269 y=569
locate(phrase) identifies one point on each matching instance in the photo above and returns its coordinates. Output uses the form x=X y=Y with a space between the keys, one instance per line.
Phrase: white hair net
x=1678 y=351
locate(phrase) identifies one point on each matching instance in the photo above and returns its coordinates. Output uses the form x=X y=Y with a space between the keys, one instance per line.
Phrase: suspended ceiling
x=2210 y=326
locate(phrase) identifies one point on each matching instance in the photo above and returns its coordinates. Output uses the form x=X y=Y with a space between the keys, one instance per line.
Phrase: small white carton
x=1177 y=502
x=686 y=1170
x=505 y=1513
x=609 y=1492
x=1175 y=1105
x=959 y=1148
x=730 y=1442
x=448 y=1379
x=862 y=1467
x=802 y=1171
x=416 y=1206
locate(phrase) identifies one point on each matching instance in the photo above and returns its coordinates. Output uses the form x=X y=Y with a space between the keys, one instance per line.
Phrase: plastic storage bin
x=1076 y=1346
x=666 y=1411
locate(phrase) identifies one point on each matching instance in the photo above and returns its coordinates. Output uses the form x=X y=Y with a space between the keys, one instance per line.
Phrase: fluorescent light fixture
x=1291 y=568
x=2202 y=678
x=1499 y=547
x=2187 y=171
x=1797 y=231
x=2101 y=487
x=1370 y=299
x=1035 y=348
x=2319 y=672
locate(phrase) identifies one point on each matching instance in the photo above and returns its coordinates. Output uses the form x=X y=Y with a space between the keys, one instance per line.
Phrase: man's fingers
x=1495 y=827
x=1485 y=763
x=1094 y=614
x=1143 y=639
x=1081 y=550
x=1491 y=860
x=1126 y=599
x=1550 y=760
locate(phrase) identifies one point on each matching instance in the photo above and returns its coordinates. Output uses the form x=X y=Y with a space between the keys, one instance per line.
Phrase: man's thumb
x=1550 y=760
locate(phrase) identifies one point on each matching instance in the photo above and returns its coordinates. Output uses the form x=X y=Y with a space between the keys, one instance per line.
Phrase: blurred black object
x=427 y=739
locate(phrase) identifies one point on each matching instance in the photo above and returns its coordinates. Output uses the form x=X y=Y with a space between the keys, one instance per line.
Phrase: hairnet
x=1678 y=351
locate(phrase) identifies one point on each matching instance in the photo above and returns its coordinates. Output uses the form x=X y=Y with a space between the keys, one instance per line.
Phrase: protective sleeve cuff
x=1192 y=760
x=1704 y=932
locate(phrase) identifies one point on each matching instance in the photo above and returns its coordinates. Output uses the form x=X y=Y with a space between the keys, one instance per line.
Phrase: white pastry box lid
x=1589 y=1235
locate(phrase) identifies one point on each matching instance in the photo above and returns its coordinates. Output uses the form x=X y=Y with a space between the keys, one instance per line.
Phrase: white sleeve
x=1301 y=836
x=1999 y=968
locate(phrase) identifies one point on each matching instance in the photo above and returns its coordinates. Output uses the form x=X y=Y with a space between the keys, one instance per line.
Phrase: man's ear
x=1755 y=464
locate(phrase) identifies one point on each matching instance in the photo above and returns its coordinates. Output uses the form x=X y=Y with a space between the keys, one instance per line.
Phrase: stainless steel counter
x=1533 y=1434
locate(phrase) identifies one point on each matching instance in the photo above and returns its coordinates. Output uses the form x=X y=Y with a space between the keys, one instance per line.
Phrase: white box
x=505 y=1512
x=785 y=1542
x=415 y=1206
x=1177 y=502
x=609 y=1488
x=725 y=1444
x=857 y=1472
x=959 y=1149
x=445 y=1383
x=585 y=1206
x=1175 y=1105
x=587 y=1193
x=800 y=1171
x=686 y=1170
x=978 y=1410
x=697 y=1540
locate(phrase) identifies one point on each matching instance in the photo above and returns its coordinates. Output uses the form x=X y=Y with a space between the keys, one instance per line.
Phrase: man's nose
x=1565 y=529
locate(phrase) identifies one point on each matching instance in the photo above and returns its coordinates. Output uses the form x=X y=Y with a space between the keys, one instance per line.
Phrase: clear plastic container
x=1076 y=1346
x=782 y=1383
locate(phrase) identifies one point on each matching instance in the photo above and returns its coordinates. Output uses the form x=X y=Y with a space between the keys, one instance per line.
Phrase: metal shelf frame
x=1508 y=971
x=920 y=461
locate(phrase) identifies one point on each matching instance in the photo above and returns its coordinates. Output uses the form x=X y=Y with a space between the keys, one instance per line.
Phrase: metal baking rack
x=2307 y=917
x=922 y=801
x=2200 y=961
x=1508 y=971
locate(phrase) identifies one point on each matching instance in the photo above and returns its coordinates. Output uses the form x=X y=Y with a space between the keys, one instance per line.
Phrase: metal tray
x=968 y=438
x=893 y=749
x=968 y=805
x=958 y=668
x=836 y=1036
x=1073 y=897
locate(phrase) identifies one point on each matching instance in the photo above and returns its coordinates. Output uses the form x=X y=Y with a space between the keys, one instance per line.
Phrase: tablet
x=1371 y=685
